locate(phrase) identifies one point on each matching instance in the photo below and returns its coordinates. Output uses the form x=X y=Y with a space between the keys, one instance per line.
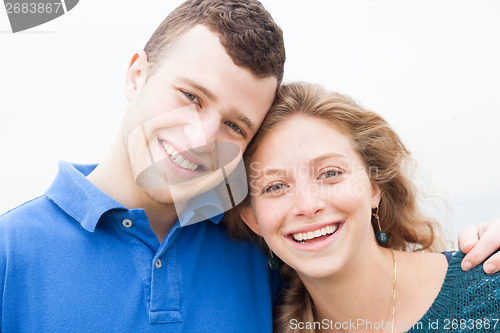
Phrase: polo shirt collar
x=79 y=197
x=206 y=206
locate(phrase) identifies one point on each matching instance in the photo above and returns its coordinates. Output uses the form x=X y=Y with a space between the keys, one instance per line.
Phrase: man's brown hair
x=246 y=30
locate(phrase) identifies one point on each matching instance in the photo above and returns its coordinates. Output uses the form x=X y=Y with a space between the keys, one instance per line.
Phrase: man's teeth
x=303 y=236
x=177 y=158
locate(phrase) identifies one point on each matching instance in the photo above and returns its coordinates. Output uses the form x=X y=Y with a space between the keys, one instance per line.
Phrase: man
x=103 y=249
x=116 y=247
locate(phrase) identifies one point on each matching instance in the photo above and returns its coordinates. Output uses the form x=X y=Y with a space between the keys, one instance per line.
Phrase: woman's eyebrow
x=271 y=172
x=327 y=156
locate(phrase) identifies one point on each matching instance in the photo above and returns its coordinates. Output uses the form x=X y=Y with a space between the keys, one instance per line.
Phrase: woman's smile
x=316 y=239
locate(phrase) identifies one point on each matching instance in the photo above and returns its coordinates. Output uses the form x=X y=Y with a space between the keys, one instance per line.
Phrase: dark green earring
x=381 y=236
x=273 y=261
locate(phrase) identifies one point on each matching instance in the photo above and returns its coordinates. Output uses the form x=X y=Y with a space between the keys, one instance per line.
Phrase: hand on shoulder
x=478 y=242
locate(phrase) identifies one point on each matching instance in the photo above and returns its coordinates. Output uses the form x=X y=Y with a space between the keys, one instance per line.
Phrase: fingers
x=492 y=265
x=488 y=243
x=468 y=237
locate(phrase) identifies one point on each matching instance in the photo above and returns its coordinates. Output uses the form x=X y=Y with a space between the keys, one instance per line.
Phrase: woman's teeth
x=303 y=236
x=177 y=158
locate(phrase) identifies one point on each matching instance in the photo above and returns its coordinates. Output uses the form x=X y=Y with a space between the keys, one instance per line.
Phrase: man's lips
x=180 y=159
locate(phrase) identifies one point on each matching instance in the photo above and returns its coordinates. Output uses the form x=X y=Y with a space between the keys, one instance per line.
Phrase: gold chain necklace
x=392 y=299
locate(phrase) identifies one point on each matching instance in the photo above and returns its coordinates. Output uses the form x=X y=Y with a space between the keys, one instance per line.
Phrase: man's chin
x=160 y=196
x=177 y=195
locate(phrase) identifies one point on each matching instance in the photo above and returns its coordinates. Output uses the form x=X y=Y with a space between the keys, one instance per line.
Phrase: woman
x=331 y=196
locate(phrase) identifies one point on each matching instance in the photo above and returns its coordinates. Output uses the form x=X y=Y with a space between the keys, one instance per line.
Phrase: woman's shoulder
x=456 y=276
x=470 y=294
x=468 y=299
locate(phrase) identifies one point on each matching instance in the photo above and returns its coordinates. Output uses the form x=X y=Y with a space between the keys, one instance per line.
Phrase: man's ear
x=136 y=74
x=247 y=215
x=376 y=195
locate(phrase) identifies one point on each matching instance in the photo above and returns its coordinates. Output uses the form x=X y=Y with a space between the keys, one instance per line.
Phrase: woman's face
x=311 y=198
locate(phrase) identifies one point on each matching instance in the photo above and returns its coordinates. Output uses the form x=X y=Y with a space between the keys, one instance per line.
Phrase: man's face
x=195 y=114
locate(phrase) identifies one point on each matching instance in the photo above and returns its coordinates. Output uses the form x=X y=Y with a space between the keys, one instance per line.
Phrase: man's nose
x=205 y=140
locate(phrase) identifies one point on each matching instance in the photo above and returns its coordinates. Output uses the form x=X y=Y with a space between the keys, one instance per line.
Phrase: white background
x=431 y=68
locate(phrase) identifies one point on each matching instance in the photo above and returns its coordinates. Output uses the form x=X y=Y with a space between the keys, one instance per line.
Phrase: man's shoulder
x=26 y=208
x=25 y=227
x=216 y=237
x=29 y=214
x=220 y=229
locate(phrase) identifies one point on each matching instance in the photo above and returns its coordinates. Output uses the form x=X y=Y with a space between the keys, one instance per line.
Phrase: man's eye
x=235 y=128
x=330 y=174
x=191 y=97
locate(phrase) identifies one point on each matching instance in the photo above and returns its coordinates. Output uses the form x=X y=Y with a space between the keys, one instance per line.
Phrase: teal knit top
x=468 y=302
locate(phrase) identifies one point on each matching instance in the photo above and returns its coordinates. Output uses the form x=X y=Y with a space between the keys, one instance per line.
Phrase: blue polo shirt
x=75 y=260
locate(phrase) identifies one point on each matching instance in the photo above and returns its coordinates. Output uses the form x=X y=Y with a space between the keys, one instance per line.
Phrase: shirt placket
x=165 y=304
x=159 y=266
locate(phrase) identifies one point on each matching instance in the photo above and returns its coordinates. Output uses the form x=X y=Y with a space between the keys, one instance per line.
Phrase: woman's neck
x=360 y=292
x=359 y=298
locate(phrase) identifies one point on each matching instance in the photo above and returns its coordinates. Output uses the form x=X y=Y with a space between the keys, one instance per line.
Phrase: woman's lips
x=311 y=236
x=318 y=241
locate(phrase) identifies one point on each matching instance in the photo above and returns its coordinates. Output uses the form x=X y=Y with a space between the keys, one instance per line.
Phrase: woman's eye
x=273 y=188
x=330 y=174
x=191 y=97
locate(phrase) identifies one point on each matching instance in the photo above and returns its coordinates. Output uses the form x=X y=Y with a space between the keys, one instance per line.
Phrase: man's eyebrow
x=199 y=87
x=244 y=119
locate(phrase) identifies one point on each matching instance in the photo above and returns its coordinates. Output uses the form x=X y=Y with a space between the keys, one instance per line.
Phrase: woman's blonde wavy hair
x=388 y=164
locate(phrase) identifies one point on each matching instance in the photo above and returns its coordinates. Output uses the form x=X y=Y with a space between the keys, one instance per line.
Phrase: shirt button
x=158 y=263
x=127 y=223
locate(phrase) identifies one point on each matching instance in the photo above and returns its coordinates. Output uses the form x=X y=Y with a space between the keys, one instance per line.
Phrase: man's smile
x=178 y=159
